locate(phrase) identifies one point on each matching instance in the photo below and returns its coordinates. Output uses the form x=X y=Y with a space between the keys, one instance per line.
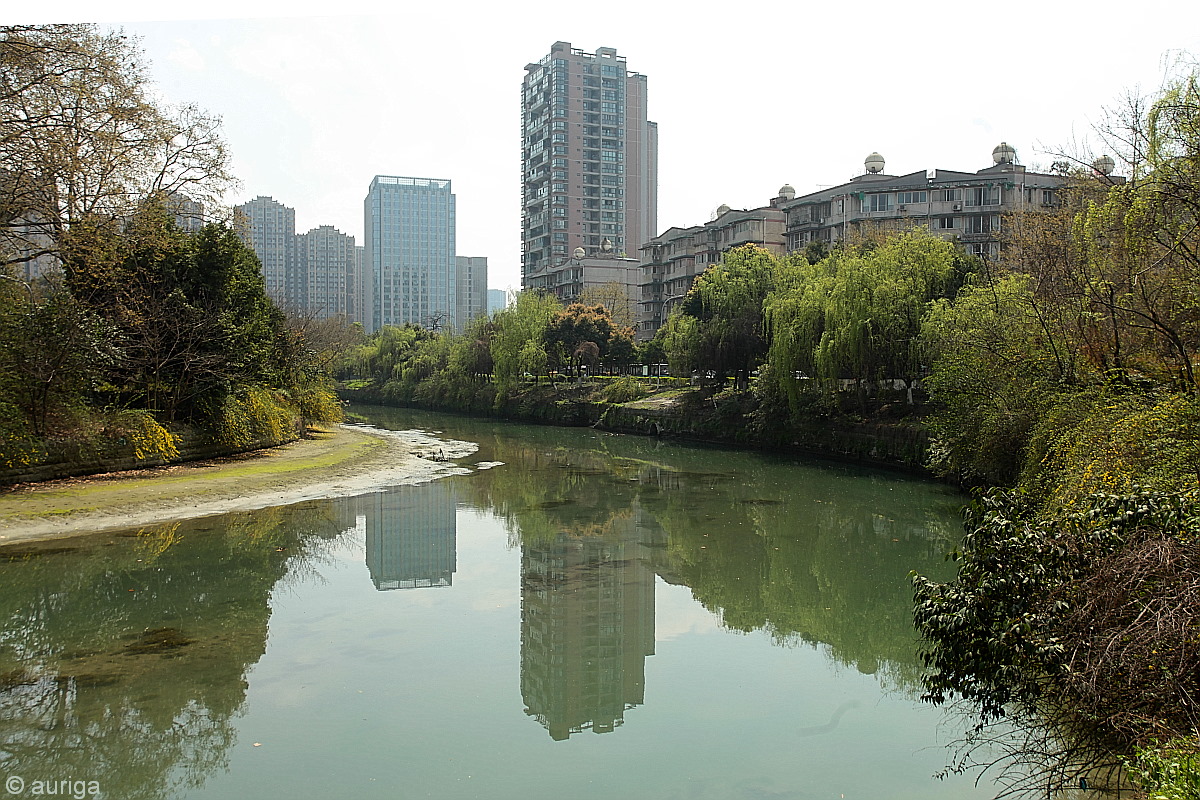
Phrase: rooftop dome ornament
x=1004 y=153
x=578 y=252
x=1104 y=165
x=787 y=192
x=874 y=163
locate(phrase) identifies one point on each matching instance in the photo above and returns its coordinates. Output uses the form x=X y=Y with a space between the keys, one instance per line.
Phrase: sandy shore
x=348 y=461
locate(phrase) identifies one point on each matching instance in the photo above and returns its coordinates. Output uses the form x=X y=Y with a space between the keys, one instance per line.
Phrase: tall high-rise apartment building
x=272 y=235
x=408 y=252
x=589 y=159
x=331 y=269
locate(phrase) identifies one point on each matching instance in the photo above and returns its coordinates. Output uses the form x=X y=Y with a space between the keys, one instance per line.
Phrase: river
x=582 y=614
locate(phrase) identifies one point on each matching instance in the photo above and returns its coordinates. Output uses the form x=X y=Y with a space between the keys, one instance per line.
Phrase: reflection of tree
x=122 y=658
x=548 y=490
x=823 y=561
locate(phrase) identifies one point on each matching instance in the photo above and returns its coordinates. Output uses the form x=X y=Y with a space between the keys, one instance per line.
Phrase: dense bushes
x=1095 y=605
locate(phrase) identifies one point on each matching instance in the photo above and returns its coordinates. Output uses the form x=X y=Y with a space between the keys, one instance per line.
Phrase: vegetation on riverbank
x=121 y=316
x=1067 y=377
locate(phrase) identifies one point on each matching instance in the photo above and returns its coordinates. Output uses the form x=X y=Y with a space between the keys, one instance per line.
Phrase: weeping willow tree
x=719 y=326
x=516 y=343
x=857 y=313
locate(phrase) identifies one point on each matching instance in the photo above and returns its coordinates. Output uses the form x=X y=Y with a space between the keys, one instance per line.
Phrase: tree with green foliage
x=573 y=328
x=191 y=313
x=725 y=308
x=518 y=328
x=471 y=353
x=857 y=313
x=383 y=356
x=994 y=371
x=53 y=352
x=1095 y=606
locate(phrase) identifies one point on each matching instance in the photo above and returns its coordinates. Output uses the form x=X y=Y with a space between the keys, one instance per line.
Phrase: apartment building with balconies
x=967 y=206
x=589 y=159
x=671 y=261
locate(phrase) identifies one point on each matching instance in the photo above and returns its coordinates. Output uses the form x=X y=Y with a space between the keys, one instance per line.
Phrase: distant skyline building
x=589 y=159
x=472 y=288
x=272 y=235
x=330 y=269
x=497 y=300
x=409 y=252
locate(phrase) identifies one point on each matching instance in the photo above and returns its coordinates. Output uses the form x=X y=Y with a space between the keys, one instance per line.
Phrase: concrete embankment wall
x=900 y=445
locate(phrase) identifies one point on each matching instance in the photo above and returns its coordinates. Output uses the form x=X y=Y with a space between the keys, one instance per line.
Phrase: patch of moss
x=157 y=640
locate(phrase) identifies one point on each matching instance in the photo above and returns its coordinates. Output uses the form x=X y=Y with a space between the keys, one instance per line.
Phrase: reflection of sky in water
x=418 y=692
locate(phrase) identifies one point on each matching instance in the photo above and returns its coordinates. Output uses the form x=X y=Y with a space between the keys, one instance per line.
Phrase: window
x=981 y=223
x=983 y=195
x=948 y=195
x=945 y=223
x=1047 y=197
x=877 y=202
x=905 y=198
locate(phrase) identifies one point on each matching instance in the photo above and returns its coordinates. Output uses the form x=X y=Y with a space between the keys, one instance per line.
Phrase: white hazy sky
x=317 y=98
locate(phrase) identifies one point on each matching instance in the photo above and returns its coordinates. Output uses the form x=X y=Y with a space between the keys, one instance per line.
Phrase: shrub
x=149 y=438
x=624 y=389
x=1168 y=771
x=253 y=415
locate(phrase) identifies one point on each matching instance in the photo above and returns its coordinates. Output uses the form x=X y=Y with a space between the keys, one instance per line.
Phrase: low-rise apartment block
x=671 y=261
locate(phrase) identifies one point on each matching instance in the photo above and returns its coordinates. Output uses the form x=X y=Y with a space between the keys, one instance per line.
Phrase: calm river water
x=600 y=616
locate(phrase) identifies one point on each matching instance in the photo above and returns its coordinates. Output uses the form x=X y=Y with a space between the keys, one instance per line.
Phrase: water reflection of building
x=410 y=535
x=587 y=625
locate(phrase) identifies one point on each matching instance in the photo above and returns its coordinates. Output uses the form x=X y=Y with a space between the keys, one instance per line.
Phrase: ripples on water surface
x=582 y=615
